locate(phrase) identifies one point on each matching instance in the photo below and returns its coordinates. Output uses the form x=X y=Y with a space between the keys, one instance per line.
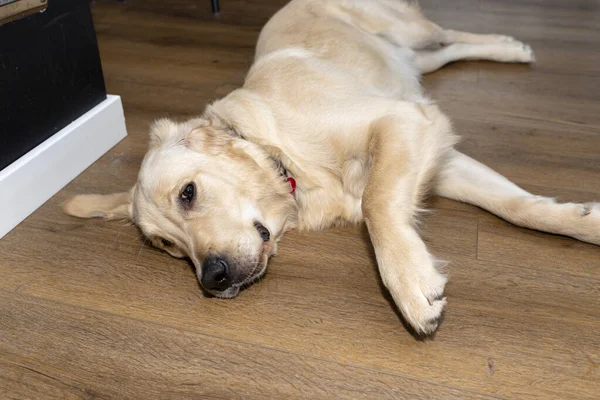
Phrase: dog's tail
x=469 y=181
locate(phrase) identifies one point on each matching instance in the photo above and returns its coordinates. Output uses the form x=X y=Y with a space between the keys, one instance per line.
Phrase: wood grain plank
x=22 y=382
x=341 y=315
x=107 y=356
x=502 y=242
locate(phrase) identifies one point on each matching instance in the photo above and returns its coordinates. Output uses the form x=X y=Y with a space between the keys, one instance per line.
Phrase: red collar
x=292 y=183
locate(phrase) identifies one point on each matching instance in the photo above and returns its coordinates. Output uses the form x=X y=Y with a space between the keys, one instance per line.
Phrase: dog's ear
x=165 y=131
x=161 y=130
x=109 y=206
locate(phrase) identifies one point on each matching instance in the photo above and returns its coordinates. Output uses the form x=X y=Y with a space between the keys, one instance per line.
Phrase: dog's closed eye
x=166 y=242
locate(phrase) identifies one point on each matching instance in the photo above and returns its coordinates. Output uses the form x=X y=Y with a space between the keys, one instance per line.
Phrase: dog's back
x=344 y=34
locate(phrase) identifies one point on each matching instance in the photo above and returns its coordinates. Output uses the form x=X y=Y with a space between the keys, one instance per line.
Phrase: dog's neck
x=287 y=176
x=244 y=115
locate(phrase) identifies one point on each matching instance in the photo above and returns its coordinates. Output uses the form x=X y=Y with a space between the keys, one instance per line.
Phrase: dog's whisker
x=116 y=238
x=140 y=251
x=138 y=237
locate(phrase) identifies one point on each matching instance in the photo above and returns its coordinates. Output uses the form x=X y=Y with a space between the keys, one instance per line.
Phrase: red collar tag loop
x=292 y=183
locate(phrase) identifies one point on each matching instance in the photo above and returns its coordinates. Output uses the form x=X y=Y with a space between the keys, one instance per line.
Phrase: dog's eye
x=166 y=242
x=188 y=194
x=262 y=231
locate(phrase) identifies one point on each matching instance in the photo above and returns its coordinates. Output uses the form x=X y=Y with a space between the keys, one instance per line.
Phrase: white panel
x=31 y=180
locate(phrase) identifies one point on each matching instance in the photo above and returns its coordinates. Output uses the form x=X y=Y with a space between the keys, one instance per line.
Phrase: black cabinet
x=50 y=74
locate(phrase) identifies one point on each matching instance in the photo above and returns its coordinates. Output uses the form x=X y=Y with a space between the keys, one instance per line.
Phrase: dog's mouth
x=228 y=293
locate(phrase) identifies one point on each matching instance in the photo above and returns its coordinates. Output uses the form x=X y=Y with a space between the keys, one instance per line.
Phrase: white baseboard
x=31 y=180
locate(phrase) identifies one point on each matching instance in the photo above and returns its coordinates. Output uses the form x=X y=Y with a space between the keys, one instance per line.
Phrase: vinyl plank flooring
x=18 y=381
x=106 y=356
x=347 y=320
x=501 y=242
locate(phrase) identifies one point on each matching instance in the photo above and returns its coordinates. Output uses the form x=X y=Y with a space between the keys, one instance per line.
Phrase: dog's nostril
x=220 y=278
x=263 y=232
x=215 y=274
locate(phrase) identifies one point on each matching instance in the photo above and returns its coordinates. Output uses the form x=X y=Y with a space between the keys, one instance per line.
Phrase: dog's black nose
x=215 y=274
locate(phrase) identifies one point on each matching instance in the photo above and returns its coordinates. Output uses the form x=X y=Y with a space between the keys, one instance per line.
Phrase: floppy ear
x=166 y=131
x=109 y=206
x=160 y=130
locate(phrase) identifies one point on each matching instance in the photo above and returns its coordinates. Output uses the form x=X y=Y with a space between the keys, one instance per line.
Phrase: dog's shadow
x=386 y=294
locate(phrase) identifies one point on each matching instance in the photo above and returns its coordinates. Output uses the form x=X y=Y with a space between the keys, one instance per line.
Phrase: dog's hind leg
x=399 y=22
x=431 y=60
x=450 y=36
x=404 y=24
x=469 y=181
x=404 y=152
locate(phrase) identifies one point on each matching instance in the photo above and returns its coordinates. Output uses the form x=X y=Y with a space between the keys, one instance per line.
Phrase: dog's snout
x=216 y=274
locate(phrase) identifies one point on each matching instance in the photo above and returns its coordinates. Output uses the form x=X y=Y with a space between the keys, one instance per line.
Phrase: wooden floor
x=87 y=310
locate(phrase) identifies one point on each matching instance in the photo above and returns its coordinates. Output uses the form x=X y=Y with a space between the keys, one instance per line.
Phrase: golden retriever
x=330 y=127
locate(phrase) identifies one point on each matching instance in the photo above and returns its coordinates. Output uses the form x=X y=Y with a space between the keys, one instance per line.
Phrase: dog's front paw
x=422 y=315
x=422 y=303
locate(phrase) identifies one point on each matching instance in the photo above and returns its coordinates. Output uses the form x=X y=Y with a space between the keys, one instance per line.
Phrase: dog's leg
x=450 y=36
x=403 y=157
x=431 y=60
x=467 y=180
x=400 y=23
x=422 y=36
x=404 y=24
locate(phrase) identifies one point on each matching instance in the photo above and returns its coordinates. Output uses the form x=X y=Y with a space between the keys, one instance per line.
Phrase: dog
x=331 y=127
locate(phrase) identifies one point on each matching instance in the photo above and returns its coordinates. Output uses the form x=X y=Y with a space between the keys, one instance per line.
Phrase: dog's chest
x=333 y=199
x=355 y=173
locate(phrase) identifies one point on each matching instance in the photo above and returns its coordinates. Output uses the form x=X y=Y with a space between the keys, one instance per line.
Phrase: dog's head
x=207 y=194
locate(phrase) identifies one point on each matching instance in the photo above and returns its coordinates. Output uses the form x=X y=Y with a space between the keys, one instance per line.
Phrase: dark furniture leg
x=215 y=6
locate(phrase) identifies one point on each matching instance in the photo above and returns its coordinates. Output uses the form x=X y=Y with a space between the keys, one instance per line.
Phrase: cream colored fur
x=334 y=99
